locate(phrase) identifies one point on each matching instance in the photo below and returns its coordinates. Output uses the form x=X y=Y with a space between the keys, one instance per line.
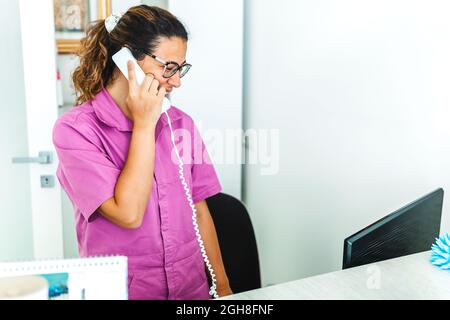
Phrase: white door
x=30 y=197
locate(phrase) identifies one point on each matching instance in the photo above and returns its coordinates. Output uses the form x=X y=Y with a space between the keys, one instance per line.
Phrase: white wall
x=212 y=92
x=360 y=91
x=123 y=5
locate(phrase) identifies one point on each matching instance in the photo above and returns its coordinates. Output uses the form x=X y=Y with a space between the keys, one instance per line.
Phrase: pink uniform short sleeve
x=86 y=174
x=205 y=182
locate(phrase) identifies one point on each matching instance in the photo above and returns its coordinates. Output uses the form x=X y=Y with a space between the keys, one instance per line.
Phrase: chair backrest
x=237 y=242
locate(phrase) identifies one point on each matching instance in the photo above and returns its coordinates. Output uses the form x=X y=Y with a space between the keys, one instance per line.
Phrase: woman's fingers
x=146 y=84
x=154 y=87
x=162 y=92
x=131 y=76
x=151 y=85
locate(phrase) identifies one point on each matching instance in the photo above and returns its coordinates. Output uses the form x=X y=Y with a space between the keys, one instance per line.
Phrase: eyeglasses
x=171 y=67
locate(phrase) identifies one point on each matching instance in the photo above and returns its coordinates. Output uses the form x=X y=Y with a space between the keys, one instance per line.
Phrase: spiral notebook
x=99 y=278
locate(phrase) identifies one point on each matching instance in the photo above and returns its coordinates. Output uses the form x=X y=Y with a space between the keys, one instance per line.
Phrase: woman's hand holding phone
x=144 y=101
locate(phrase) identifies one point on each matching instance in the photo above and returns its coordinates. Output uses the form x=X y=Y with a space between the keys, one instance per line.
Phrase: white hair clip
x=112 y=21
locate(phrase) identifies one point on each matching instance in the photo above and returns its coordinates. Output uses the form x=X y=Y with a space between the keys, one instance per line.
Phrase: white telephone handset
x=121 y=59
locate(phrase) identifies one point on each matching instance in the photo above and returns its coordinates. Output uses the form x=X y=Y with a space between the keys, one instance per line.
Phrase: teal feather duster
x=440 y=252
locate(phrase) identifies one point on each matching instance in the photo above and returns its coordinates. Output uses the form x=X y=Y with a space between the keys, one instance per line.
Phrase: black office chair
x=237 y=242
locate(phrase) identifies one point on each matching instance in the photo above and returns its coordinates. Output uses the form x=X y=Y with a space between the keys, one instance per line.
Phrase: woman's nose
x=175 y=81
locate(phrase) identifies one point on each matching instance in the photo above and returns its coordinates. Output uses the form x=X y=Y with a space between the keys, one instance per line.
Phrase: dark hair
x=141 y=28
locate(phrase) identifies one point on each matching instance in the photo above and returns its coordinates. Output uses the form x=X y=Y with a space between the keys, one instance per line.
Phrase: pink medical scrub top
x=164 y=258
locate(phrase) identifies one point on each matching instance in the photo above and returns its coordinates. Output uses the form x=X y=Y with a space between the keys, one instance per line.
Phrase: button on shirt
x=164 y=258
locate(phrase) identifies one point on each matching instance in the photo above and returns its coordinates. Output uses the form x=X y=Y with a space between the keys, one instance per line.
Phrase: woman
x=116 y=161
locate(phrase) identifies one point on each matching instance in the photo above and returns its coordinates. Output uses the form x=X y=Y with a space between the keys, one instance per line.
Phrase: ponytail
x=94 y=71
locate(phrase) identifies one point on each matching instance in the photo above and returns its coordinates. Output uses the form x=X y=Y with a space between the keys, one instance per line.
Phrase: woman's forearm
x=135 y=182
x=134 y=185
x=212 y=247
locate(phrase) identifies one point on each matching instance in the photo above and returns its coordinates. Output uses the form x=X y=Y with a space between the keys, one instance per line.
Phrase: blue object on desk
x=440 y=252
x=57 y=284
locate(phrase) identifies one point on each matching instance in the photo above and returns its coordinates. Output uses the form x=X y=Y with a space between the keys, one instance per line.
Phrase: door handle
x=45 y=157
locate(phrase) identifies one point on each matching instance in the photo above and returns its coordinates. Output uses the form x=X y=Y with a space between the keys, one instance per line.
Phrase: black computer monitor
x=409 y=230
